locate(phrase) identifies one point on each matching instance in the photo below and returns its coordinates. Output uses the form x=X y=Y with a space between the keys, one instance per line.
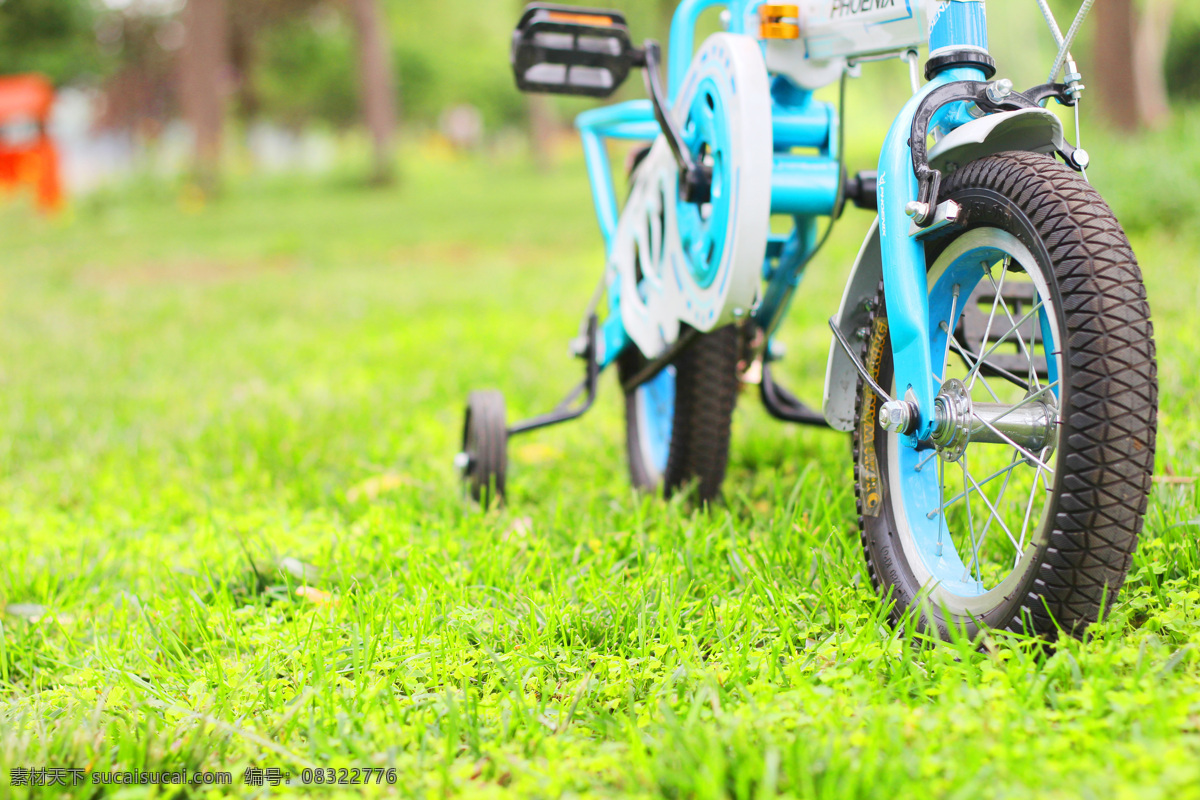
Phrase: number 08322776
x=348 y=777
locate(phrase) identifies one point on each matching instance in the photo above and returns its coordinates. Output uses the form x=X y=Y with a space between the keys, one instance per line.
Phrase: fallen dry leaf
x=538 y=453
x=371 y=488
x=314 y=595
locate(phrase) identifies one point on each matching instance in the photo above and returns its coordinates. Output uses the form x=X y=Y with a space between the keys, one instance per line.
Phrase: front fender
x=841 y=379
x=1034 y=130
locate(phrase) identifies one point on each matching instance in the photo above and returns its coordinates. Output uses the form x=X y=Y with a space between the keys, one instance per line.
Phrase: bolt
x=916 y=209
x=862 y=334
x=896 y=416
x=462 y=461
x=1073 y=81
x=1082 y=159
x=997 y=91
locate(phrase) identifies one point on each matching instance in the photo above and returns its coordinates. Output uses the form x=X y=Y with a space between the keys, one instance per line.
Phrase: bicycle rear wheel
x=678 y=425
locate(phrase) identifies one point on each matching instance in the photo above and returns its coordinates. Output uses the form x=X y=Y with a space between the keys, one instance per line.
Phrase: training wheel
x=484 y=457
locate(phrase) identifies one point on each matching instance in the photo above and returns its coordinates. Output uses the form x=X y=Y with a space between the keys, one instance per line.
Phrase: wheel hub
x=952 y=414
x=958 y=421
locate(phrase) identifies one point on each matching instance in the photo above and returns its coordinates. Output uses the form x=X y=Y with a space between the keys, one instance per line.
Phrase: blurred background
x=201 y=89
x=289 y=236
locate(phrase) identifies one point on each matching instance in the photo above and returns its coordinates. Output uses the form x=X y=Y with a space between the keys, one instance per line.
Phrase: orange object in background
x=28 y=156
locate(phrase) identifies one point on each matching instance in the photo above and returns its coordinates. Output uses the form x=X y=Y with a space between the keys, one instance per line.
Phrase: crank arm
x=695 y=179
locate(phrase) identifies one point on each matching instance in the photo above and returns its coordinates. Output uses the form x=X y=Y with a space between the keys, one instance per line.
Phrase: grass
x=233 y=535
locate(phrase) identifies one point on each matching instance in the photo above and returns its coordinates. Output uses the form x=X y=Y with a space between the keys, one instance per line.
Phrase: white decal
x=844 y=8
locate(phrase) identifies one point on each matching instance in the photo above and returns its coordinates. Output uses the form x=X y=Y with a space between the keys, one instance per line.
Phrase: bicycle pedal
x=979 y=330
x=571 y=50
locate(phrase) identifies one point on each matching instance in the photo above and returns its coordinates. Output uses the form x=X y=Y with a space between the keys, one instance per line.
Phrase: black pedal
x=570 y=50
x=1008 y=361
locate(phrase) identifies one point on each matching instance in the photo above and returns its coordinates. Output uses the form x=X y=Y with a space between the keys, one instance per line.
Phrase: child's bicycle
x=992 y=355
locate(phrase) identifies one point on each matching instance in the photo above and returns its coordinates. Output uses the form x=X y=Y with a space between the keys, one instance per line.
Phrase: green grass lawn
x=233 y=535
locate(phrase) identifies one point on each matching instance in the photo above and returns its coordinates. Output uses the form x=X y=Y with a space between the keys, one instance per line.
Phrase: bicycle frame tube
x=633 y=120
x=957 y=24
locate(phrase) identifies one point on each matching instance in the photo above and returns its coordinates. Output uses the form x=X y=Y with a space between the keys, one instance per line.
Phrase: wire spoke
x=985 y=482
x=994 y=514
x=1046 y=478
x=950 y=325
x=941 y=498
x=1015 y=380
x=1017 y=328
x=999 y=499
x=971 y=524
x=1003 y=338
x=967 y=357
x=1029 y=510
x=988 y=328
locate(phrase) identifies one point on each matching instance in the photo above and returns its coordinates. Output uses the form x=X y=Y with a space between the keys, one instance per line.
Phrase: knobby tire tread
x=1109 y=420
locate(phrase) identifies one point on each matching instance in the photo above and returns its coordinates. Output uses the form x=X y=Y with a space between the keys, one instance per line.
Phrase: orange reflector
x=774 y=30
x=581 y=19
x=773 y=11
x=779 y=21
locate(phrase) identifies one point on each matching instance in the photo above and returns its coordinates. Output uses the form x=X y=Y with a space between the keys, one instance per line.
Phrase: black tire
x=1107 y=411
x=706 y=390
x=485 y=447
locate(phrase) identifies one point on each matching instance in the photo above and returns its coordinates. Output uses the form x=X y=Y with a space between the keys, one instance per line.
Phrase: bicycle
x=992 y=355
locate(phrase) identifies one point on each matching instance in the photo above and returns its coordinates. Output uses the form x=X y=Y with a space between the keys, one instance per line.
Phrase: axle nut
x=896 y=416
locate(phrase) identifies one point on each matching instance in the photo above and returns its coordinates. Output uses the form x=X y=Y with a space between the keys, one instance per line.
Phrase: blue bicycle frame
x=807 y=186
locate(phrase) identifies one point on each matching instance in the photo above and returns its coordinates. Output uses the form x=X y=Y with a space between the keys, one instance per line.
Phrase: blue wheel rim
x=655 y=410
x=918 y=467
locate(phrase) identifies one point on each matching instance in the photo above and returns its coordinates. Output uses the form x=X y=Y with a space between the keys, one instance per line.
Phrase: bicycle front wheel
x=1024 y=510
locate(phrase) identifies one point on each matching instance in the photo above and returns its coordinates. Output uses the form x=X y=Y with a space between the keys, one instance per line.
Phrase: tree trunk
x=1129 y=54
x=377 y=84
x=543 y=123
x=204 y=79
x=1149 y=53
x=1113 y=65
